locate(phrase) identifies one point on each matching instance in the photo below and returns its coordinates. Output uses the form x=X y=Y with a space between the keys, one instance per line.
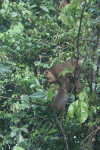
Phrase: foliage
x=35 y=35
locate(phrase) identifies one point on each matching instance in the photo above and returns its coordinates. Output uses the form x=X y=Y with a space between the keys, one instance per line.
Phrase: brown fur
x=59 y=100
x=52 y=74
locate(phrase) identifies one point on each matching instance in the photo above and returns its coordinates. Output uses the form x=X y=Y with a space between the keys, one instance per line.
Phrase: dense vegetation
x=35 y=35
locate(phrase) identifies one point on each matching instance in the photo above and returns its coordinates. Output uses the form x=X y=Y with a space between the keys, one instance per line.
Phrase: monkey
x=65 y=85
x=52 y=73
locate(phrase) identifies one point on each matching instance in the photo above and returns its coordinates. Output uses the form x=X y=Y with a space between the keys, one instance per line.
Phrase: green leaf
x=24 y=98
x=13 y=134
x=68 y=70
x=94 y=67
x=74 y=3
x=82 y=111
x=44 y=8
x=37 y=94
x=71 y=110
x=15 y=29
x=83 y=96
x=93 y=109
x=18 y=148
x=60 y=74
x=50 y=94
x=14 y=14
x=87 y=14
x=33 y=6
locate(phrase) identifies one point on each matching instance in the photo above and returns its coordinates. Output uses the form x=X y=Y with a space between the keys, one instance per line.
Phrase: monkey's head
x=49 y=76
x=52 y=74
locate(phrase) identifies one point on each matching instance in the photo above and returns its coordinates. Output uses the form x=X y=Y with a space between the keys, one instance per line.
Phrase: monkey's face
x=49 y=76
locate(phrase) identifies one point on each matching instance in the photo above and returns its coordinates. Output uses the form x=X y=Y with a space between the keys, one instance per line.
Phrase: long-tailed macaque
x=65 y=85
x=53 y=72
